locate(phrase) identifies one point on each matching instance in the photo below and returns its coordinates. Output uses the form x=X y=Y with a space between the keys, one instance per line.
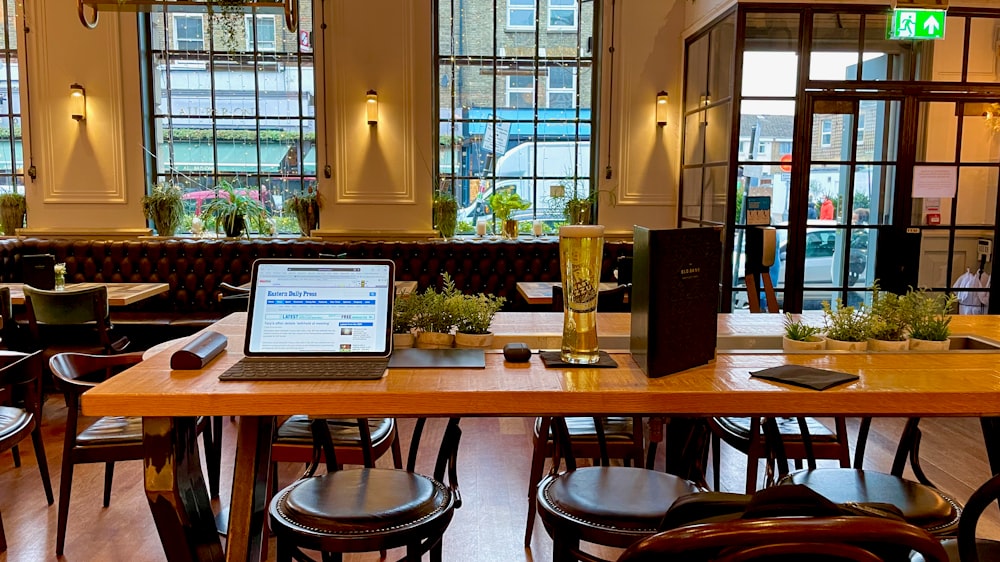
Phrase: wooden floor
x=493 y=468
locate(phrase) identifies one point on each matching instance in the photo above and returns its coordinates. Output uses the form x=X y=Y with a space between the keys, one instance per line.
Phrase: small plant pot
x=473 y=340
x=930 y=345
x=400 y=341
x=434 y=340
x=888 y=345
x=839 y=345
x=814 y=343
x=510 y=229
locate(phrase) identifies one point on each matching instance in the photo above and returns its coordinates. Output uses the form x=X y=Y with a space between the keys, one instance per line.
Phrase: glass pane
x=769 y=73
x=835 y=47
x=770 y=31
x=697 y=72
x=883 y=59
x=940 y=131
x=715 y=192
x=833 y=135
x=947 y=54
x=874 y=194
x=827 y=189
x=983 y=33
x=692 y=193
x=977 y=196
x=716 y=131
x=720 y=67
x=694 y=139
x=978 y=142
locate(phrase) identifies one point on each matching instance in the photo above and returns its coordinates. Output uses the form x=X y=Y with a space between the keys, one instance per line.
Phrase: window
x=826 y=133
x=11 y=147
x=514 y=106
x=761 y=148
x=264 y=33
x=230 y=108
x=785 y=147
x=520 y=14
x=562 y=14
x=521 y=91
x=861 y=128
x=189 y=32
x=561 y=90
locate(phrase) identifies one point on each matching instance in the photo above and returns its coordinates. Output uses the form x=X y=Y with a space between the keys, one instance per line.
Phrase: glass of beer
x=581 y=250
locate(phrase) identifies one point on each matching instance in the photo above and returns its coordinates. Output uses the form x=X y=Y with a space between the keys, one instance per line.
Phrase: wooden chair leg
x=15 y=453
x=109 y=476
x=65 y=485
x=3 y=536
x=213 y=455
x=38 y=443
x=535 y=476
x=716 y=462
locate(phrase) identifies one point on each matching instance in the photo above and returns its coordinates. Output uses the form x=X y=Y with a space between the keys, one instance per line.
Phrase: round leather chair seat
x=616 y=497
x=361 y=501
x=111 y=429
x=13 y=421
x=296 y=430
x=921 y=505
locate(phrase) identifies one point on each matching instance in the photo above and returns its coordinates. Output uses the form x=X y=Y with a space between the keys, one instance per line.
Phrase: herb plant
x=886 y=318
x=798 y=330
x=928 y=314
x=844 y=323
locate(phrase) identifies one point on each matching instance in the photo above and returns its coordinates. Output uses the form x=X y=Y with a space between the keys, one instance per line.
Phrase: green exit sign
x=917 y=24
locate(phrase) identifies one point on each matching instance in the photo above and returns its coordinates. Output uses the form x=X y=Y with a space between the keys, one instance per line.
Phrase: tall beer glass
x=581 y=248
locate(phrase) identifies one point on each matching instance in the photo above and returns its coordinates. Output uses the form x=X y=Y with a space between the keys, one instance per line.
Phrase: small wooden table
x=540 y=292
x=119 y=294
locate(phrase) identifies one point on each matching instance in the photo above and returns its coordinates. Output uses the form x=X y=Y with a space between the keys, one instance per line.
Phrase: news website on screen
x=321 y=308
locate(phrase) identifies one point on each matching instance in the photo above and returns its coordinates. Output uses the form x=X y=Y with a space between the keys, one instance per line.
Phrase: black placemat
x=553 y=359
x=808 y=377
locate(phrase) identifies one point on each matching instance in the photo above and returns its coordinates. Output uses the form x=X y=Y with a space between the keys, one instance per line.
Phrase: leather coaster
x=552 y=359
x=808 y=377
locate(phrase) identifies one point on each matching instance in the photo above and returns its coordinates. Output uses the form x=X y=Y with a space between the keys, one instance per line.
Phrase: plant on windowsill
x=305 y=207
x=473 y=316
x=929 y=318
x=503 y=204
x=568 y=200
x=13 y=207
x=800 y=336
x=232 y=209
x=445 y=213
x=887 y=322
x=164 y=206
x=846 y=327
x=404 y=312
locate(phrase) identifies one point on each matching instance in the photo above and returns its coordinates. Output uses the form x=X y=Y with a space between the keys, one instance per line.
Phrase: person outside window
x=826 y=210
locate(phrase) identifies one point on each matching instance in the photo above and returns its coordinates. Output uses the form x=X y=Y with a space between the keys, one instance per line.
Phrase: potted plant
x=473 y=316
x=887 y=322
x=845 y=327
x=929 y=318
x=503 y=204
x=435 y=316
x=13 y=207
x=305 y=207
x=232 y=208
x=164 y=207
x=404 y=312
x=445 y=213
x=800 y=336
x=569 y=201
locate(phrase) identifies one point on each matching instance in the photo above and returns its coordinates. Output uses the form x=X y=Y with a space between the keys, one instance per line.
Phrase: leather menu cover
x=199 y=352
x=675 y=298
x=39 y=271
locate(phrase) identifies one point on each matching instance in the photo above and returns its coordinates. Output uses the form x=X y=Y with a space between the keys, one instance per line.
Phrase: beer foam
x=581 y=231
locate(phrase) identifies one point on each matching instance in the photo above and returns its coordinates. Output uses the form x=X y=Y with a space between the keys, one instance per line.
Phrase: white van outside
x=558 y=163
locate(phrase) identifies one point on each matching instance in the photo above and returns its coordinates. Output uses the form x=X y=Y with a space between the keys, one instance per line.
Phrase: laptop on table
x=317 y=319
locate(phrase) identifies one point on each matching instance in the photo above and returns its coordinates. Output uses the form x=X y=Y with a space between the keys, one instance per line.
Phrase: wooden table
x=891 y=384
x=540 y=292
x=119 y=294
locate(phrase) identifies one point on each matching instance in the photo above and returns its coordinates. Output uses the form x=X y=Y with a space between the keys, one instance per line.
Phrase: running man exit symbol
x=917 y=24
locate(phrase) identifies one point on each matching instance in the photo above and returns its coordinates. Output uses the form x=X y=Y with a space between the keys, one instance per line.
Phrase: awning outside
x=198 y=157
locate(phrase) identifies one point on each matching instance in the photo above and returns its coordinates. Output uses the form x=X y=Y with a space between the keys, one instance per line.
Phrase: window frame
x=510 y=91
x=826 y=133
x=175 y=40
x=571 y=90
x=574 y=7
x=250 y=27
x=512 y=9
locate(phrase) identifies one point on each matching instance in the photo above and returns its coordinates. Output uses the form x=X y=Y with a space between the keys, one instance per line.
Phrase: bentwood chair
x=967 y=548
x=610 y=506
x=827 y=539
x=368 y=509
x=107 y=440
x=20 y=375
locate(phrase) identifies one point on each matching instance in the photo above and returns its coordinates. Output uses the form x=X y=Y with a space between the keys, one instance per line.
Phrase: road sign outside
x=917 y=24
x=786 y=163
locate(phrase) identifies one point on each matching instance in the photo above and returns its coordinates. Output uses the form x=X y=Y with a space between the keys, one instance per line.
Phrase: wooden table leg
x=251 y=474
x=176 y=490
x=991 y=434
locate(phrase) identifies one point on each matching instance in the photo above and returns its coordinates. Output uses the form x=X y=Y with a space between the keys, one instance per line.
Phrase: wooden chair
x=622 y=435
x=368 y=509
x=293 y=441
x=967 y=548
x=107 y=440
x=20 y=375
x=920 y=503
x=861 y=539
x=605 y=505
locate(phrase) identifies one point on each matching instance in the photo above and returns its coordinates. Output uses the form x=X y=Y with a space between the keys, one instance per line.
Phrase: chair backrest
x=79 y=306
x=853 y=538
x=76 y=373
x=980 y=499
x=11 y=334
x=19 y=377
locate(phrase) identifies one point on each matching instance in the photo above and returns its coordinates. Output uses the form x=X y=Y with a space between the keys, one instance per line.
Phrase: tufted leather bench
x=195 y=268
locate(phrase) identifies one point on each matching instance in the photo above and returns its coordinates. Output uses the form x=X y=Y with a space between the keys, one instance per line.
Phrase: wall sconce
x=661 y=108
x=371 y=107
x=77 y=102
